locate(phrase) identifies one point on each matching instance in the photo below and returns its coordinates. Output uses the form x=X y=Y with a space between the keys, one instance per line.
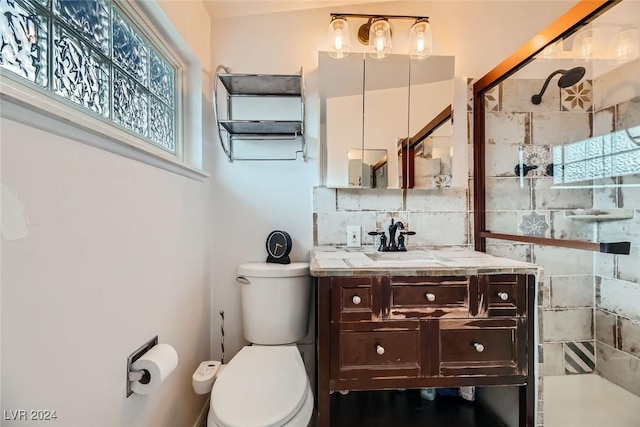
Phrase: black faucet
x=393 y=229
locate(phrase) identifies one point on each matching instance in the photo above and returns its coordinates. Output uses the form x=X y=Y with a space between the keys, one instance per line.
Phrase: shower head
x=568 y=78
x=571 y=77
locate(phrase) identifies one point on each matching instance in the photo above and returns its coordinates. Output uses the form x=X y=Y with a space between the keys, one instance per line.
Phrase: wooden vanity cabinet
x=411 y=332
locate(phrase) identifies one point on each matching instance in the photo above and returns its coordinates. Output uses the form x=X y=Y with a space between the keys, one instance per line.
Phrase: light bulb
x=379 y=41
x=420 y=42
x=337 y=43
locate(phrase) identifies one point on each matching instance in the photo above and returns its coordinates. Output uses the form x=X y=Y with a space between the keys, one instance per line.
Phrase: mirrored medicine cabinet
x=386 y=123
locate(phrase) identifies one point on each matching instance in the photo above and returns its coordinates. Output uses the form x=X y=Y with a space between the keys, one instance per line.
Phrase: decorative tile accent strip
x=470 y=93
x=578 y=97
x=534 y=224
x=579 y=357
x=492 y=99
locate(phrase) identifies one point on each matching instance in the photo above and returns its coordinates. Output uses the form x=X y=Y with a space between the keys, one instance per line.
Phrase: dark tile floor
x=407 y=409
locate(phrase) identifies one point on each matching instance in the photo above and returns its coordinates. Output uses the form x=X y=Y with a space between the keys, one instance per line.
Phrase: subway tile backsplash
x=607 y=327
x=559 y=127
x=574 y=324
x=508 y=194
x=629 y=336
x=439 y=229
x=438 y=200
x=369 y=200
x=619 y=297
x=556 y=261
x=438 y=216
x=572 y=291
x=618 y=367
x=506 y=128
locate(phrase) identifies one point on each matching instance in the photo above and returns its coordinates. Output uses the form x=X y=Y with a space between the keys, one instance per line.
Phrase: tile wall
x=617 y=277
x=589 y=303
x=440 y=217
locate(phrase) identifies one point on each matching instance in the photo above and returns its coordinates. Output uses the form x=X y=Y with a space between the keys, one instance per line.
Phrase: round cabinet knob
x=379 y=349
x=356 y=299
x=503 y=296
x=430 y=297
x=479 y=347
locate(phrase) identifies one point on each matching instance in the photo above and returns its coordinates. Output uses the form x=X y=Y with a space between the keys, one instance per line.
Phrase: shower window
x=98 y=56
x=607 y=156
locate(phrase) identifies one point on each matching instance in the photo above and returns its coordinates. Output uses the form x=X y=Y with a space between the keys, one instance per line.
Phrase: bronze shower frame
x=575 y=18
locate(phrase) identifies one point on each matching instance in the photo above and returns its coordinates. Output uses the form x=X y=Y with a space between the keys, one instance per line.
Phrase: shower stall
x=557 y=183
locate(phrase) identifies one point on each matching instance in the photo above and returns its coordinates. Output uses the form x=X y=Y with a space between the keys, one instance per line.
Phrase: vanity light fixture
x=376 y=34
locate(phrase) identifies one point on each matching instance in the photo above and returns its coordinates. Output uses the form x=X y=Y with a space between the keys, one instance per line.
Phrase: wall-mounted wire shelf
x=258 y=85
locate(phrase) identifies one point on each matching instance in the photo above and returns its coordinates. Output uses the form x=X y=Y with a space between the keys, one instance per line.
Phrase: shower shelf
x=599 y=214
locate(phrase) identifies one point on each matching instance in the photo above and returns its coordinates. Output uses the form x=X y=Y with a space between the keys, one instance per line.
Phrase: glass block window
x=94 y=54
x=612 y=155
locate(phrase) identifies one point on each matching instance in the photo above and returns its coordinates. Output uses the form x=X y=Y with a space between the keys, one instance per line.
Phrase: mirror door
x=341 y=119
x=386 y=112
x=386 y=123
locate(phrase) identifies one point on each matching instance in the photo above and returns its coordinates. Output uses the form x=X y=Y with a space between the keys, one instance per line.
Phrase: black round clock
x=278 y=247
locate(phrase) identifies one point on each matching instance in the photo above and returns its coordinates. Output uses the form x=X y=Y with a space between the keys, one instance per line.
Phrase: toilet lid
x=262 y=386
x=267 y=269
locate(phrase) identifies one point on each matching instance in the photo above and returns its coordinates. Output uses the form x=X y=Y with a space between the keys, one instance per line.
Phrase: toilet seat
x=262 y=386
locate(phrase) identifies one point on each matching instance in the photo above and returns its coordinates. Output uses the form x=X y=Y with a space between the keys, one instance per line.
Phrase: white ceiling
x=230 y=8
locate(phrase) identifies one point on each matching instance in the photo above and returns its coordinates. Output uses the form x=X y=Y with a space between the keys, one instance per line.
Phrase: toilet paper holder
x=141 y=375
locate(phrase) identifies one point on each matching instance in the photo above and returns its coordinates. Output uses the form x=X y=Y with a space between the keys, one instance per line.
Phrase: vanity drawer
x=428 y=298
x=503 y=295
x=479 y=346
x=353 y=299
x=374 y=349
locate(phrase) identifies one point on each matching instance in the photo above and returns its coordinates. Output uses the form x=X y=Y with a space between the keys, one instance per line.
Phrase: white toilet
x=265 y=384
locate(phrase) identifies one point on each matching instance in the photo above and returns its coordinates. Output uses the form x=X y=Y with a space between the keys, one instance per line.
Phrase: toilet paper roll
x=159 y=361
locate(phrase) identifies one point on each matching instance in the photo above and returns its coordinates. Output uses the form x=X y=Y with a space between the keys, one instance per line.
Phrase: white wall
x=253 y=198
x=99 y=254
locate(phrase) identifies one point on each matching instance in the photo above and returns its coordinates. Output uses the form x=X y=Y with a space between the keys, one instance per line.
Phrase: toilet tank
x=275 y=301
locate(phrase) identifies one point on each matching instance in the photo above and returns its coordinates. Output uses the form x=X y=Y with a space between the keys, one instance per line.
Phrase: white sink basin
x=409 y=259
x=406 y=257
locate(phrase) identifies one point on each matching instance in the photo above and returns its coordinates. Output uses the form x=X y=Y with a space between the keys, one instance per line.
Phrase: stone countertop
x=367 y=261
